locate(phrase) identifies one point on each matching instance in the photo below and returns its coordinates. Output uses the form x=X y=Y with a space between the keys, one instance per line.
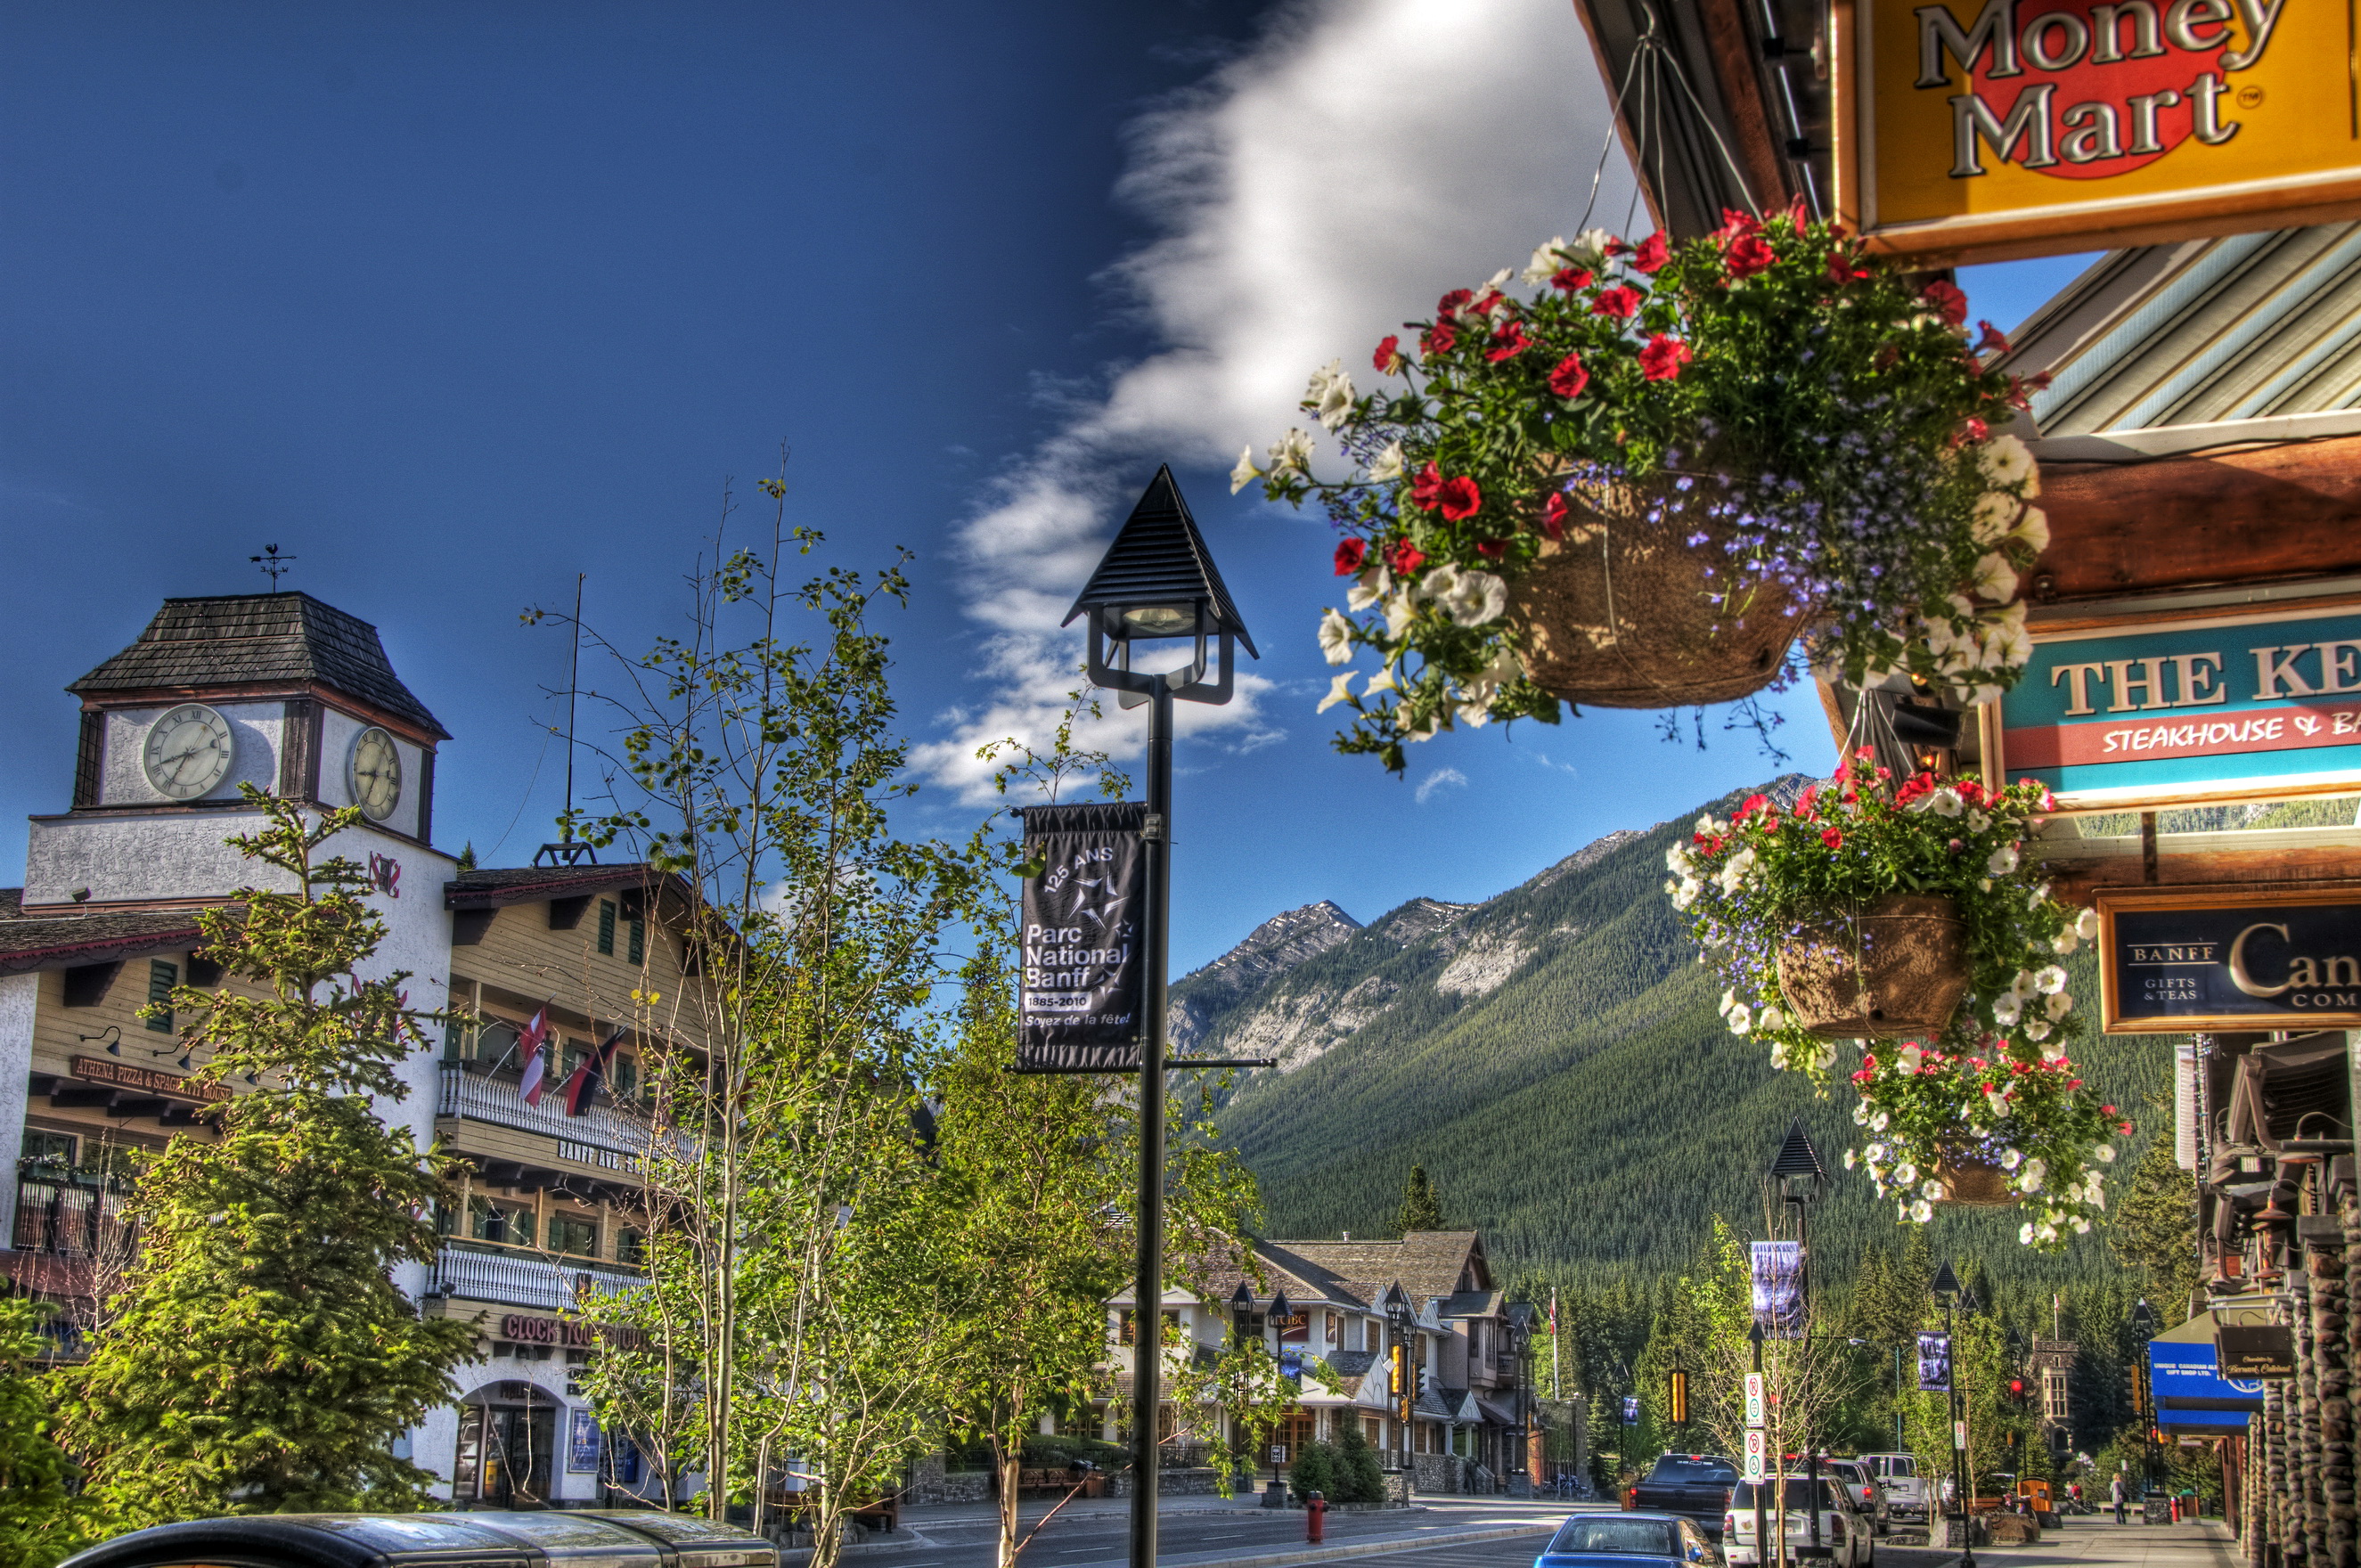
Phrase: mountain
x=1553 y=1057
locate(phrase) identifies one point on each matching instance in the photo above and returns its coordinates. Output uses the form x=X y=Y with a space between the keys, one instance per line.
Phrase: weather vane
x=273 y=564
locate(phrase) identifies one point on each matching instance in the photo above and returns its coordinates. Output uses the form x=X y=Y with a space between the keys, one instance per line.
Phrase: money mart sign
x=1979 y=129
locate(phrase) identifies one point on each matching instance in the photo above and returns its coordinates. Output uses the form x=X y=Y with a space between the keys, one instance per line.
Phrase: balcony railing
x=71 y=1213
x=522 y=1281
x=622 y=1137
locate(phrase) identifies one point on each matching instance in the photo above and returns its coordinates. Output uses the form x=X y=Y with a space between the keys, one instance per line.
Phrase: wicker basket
x=1972 y=1183
x=1616 y=613
x=1897 y=969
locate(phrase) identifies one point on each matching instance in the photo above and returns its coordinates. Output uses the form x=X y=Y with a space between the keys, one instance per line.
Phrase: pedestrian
x=2122 y=1494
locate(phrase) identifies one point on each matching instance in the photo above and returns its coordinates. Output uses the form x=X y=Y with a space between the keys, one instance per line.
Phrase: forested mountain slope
x=1554 y=1057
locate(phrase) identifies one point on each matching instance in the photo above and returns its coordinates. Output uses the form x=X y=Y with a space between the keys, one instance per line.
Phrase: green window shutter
x=607 y=926
x=162 y=976
x=639 y=940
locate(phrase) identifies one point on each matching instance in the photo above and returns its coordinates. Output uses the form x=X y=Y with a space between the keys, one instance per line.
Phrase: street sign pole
x=1757 y=1448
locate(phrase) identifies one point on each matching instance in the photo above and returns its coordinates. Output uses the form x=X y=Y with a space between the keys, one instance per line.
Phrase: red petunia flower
x=1567 y=280
x=1975 y=430
x=2124 y=1128
x=1831 y=838
x=1438 y=338
x=1748 y=255
x=1751 y=804
x=1459 y=498
x=1387 y=358
x=1350 y=553
x=1619 y=304
x=2107 y=1110
x=1508 y=340
x=1450 y=303
x=1948 y=301
x=1663 y=359
x=1405 y=558
x=1423 y=485
x=1568 y=379
x=1651 y=253
x=1554 y=515
x=1492 y=549
x=1994 y=340
x=1841 y=270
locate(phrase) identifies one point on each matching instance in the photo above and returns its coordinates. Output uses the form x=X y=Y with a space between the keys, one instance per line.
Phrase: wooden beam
x=2256 y=515
x=2074 y=880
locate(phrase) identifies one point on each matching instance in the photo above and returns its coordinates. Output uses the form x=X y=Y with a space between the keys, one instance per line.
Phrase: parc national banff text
x=2091 y=93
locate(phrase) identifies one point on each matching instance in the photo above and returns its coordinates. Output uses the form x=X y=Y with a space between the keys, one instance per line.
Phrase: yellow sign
x=1983 y=129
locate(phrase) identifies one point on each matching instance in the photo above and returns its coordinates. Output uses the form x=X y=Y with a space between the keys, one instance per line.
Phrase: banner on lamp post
x=1934 y=1364
x=1083 y=974
x=1778 y=1269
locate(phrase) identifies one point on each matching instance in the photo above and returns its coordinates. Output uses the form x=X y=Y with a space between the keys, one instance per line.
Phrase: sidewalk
x=2100 y=1542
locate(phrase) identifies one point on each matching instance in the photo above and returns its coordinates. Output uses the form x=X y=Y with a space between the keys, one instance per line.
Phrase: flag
x=530 y=1042
x=583 y=1087
x=1553 y=1312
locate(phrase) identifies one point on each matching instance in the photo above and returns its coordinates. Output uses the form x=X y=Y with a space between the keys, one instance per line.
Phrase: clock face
x=374 y=773
x=188 y=752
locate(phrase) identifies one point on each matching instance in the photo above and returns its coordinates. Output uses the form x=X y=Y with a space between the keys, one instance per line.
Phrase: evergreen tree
x=1421 y=1206
x=39 y=1522
x=2156 y=1227
x=261 y=1358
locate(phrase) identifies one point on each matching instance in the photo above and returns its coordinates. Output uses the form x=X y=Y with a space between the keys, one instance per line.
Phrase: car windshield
x=1620 y=1537
x=1692 y=1470
x=1798 y=1490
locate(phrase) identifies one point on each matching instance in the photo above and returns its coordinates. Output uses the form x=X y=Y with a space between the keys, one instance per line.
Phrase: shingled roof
x=63 y=941
x=495 y=888
x=1426 y=1263
x=231 y=639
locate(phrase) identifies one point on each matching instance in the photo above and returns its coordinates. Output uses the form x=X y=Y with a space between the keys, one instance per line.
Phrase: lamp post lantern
x=1156 y=582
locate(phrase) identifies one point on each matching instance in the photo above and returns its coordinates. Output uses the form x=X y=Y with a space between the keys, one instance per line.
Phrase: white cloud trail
x=1360 y=159
x=1438 y=781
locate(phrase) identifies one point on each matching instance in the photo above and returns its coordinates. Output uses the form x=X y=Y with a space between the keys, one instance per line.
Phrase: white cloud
x=1313 y=192
x=1439 y=780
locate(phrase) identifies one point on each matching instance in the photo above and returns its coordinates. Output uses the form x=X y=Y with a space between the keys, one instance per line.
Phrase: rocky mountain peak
x=1270 y=950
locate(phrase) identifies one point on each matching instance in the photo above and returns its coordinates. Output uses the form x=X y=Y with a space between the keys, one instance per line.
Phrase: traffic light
x=2017 y=1395
x=1676 y=1399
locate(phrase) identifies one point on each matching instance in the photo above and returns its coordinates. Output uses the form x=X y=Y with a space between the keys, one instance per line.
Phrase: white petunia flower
x=1874 y=1154
x=1336 y=639
x=2082 y=1227
x=2036 y=1031
x=2050 y=980
x=1996 y=579
x=1388 y=464
x=2007 y=1011
x=2035 y=1170
x=1383 y=681
x=1921 y=1211
x=1946 y=803
x=2025 y=1234
x=1331 y=395
x=2065 y=942
x=1545 y=264
x=1878 y=1122
x=1978 y=821
x=1246 y=473
x=1369 y=588
x=1474 y=599
x=2003 y=860
x=2007 y=462
x=1742 y=1019
x=1850 y=1158
x=1729 y=1001
x=2012 y=1159
x=1906 y=1174
x=2033 y=530
x=1995 y=511
x=1930 y=1189
x=1592 y=243
x=1399 y=610
x=1773 y=1020
x=1860 y=1113
x=1339 y=690
x=2059 y=1004
x=1290 y=453
x=2086 y=925
x=2106 y=1154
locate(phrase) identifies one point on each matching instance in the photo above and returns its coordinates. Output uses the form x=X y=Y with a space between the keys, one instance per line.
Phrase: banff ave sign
x=1980 y=129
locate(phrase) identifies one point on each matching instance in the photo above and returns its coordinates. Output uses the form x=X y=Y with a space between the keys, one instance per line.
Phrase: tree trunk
x=1006 y=1464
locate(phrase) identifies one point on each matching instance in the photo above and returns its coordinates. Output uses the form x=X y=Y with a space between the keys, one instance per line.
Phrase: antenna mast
x=572 y=686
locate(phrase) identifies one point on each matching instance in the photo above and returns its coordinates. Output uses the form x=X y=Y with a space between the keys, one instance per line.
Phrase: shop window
x=506 y=1224
x=607 y=926
x=162 y=976
x=50 y=1148
x=574 y=1236
x=631 y=1246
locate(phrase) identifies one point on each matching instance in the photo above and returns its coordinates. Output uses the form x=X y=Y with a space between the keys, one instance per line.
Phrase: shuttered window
x=639 y=940
x=162 y=976
x=607 y=926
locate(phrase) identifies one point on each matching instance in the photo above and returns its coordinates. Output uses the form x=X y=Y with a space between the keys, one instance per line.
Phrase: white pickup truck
x=1906 y=1489
x=1835 y=1531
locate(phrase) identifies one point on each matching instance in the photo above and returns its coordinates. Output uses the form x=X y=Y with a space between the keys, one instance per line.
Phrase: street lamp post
x=1520 y=1342
x=1156 y=582
x=2144 y=1325
x=1951 y=1294
x=1798 y=1176
x=1762 y=1541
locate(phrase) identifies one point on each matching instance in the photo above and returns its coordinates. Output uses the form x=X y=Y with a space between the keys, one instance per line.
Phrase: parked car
x=1842 y=1530
x=1906 y=1489
x=1693 y=1485
x=1865 y=1489
x=1625 y=1540
x=492 y=1539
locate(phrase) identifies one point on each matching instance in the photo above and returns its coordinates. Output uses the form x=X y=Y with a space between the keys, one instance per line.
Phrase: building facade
x=298 y=698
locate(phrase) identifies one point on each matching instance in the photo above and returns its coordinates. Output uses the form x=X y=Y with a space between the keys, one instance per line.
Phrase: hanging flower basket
x=1971 y=1181
x=1621 y=610
x=1896 y=968
x=1638 y=475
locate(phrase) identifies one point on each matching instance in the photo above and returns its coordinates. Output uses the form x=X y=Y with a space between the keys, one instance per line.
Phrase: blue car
x=1625 y=1540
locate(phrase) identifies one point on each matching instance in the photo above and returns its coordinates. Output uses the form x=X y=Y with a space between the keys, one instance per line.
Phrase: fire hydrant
x=1315 y=1517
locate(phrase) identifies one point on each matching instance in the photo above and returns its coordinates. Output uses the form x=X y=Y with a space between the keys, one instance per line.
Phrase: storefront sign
x=1083 y=974
x=581 y=1441
x=121 y=1075
x=2190 y=1390
x=1983 y=129
x=2116 y=716
x=2260 y=1351
x=2175 y=959
x=527 y=1329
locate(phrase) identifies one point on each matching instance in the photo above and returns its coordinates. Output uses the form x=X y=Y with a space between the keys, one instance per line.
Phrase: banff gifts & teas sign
x=1985 y=128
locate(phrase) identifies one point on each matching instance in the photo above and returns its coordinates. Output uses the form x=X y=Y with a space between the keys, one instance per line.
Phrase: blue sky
x=453 y=301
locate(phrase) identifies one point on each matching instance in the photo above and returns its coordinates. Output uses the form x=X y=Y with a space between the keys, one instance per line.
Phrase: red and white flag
x=530 y=1042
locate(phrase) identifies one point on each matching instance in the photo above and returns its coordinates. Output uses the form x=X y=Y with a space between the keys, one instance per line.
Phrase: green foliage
x=1422 y=1208
x=261 y=1358
x=1360 y=1477
x=1315 y=1469
x=40 y=1522
x=2156 y=1224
